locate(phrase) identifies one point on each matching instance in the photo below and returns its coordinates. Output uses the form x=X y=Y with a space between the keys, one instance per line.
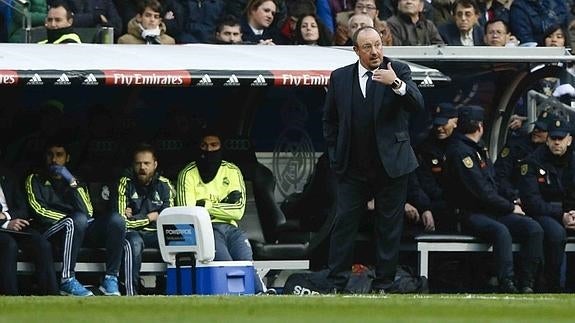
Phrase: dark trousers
x=353 y=193
x=37 y=249
x=501 y=232
x=137 y=241
x=108 y=232
x=554 y=240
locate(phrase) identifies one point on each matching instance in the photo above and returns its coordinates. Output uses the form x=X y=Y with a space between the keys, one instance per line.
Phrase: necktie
x=369 y=81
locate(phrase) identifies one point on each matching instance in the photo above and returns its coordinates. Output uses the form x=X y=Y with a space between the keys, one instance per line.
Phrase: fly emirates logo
x=300 y=78
x=148 y=78
x=8 y=77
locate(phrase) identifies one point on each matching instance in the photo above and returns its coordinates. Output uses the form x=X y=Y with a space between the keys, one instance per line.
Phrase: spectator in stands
x=493 y=10
x=465 y=30
x=95 y=14
x=547 y=194
x=384 y=32
x=515 y=151
x=410 y=28
x=362 y=7
x=296 y=9
x=229 y=31
x=147 y=26
x=497 y=34
x=471 y=187
x=59 y=25
x=555 y=36
x=200 y=20
x=172 y=14
x=442 y=12
x=16 y=233
x=431 y=171
x=140 y=197
x=328 y=10
x=311 y=31
x=258 y=22
x=59 y=201
x=37 y=10
x=530 y=19
x=218 y=186
x=354 y=23
x=239 y=8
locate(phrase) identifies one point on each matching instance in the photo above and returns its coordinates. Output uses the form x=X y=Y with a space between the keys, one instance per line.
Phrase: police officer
x=471 y=187
x=430 y=173
x=547 y=181
x=517 y=148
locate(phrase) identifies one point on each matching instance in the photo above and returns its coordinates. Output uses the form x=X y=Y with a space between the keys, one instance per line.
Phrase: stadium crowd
x=528 y=195
x=300 y=22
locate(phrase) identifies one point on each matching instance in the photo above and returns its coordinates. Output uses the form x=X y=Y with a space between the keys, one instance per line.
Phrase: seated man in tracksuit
x=471 y=187
x=141 y=196
x=16 y=233
x=59 y=201
x=547 y=184
x=512 y=155
x=218 y=185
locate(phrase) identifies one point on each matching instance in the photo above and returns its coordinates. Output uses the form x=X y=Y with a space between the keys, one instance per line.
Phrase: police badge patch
x=524 y=169
x=505 y=152
x=468 y=162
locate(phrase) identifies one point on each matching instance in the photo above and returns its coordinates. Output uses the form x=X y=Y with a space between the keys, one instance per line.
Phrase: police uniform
x=486 y=213
x=511 y=156
x=547 y=181
x=430 y=173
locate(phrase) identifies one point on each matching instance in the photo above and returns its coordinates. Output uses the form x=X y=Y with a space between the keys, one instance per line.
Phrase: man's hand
x=17 y=224
x=569 y=220
x=384 y=76
x=3 y=216
x=266 y=42
x=518 y=210
x=428 y=222
x=411 y=213
x=371 y=205
x=516 y=122
x=169 y=15
x=153 y=216
x=104 y=19
x=128 y=212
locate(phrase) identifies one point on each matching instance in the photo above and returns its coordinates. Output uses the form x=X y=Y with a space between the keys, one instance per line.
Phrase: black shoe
x=507 y=286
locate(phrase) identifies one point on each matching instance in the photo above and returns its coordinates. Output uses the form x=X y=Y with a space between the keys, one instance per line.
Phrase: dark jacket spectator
x=95 y=13
x=529 y=19
x=200 y=20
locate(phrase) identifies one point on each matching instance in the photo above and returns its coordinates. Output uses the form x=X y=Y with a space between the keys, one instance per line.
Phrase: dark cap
x=470 y=113
x=559 y=127
x=543 y=120
x=443 y=113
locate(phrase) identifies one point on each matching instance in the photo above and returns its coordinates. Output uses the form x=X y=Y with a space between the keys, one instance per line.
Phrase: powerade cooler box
x=187 y=244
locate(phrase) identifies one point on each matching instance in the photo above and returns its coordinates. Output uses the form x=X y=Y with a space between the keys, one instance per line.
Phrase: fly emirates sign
x=148 y=78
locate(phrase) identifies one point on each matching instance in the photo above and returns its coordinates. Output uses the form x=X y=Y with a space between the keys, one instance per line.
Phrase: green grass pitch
x=253 y=309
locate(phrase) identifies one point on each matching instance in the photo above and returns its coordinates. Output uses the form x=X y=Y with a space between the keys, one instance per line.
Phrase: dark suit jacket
x=391 y=115
x=14 y=196
x=450 y=34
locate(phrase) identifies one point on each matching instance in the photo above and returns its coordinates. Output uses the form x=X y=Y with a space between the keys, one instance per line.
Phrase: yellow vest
x=70 y=36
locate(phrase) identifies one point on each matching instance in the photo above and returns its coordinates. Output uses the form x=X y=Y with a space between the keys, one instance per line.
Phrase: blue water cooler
x=187 y=245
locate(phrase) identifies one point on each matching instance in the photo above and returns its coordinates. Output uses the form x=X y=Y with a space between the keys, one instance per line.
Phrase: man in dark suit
x=465 y=29
x=367 y=108
x=16 y=233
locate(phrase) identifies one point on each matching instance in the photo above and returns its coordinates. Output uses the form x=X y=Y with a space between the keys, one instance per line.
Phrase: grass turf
x=393 y=308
